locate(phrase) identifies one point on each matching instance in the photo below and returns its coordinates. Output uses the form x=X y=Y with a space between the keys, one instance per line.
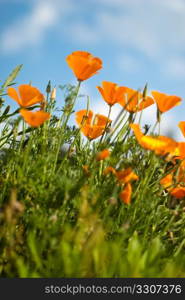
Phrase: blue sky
x=139 y=41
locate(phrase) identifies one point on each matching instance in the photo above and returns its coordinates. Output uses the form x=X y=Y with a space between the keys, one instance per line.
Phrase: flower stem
x=106 y=126
x=64 y=126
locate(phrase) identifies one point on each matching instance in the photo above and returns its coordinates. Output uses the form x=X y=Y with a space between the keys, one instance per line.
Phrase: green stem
x=23 y=135
x=141 y=113
x=159 y=128
x=64 y=126
x=106 y=126
x=117 y=126
x=155 y=125
x=73 y=104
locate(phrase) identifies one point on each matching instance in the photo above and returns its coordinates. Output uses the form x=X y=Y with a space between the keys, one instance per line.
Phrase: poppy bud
x=53 y=94
x=48 y=88
x=103 y=154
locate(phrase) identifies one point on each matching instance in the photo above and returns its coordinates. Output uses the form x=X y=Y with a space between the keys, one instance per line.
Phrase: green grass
x=58 y=221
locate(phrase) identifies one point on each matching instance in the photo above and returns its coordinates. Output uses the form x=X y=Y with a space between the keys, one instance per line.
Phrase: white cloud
x=31 y=28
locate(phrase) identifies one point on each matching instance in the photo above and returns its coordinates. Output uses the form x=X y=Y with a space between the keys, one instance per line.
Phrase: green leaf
x=12 y=76
x=6 y=111
x=145 y=90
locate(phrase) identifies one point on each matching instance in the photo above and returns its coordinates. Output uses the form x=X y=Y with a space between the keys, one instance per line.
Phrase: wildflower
x=178 y=192
x=27 y=96
x=103 y=154
x=161 y=145
x=89 y=127
x=36 y=118
x=127 y=175
x=165 y=102
x=167 y=181
x=109 y=170
x=175 y=178
x=83 y=64
x=86 y=169
x=182 y=127
x=125 y=194
x=124 y=177
x=134 y=101
x=178 y=152
x=111 y=92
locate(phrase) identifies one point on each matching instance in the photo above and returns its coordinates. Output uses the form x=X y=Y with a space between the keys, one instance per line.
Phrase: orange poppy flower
x=109 y=170
x=167 y=181
x=178 y=152
x=161 y=145
x=181 y=150
x=178 y=192
x=83 y=64
x=111 y=92
x=27 y=96
x=164 y=101
x=92 y=129
x=103 y=154
x=127 y=175
x=36 y=118
x=175 y=177
x=182 y=127
x=134 y=101
x=125 y=194
x=137 y=131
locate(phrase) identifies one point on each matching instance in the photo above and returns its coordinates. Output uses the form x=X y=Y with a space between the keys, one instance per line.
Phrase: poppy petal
x=83 y=64
x=167 y=181
x=145 y=103
x=137 y=131
x=178 y=192
x=35 y=118
x=85 y=116
x=111 y=92
x=126 y=175
x=103 y=154
x=164 y=101
x=109 y=170
x=30 y=95
x=101 y=120
x=13 y=94
x=182 y=127
x=126 y=193
x=91 y=68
